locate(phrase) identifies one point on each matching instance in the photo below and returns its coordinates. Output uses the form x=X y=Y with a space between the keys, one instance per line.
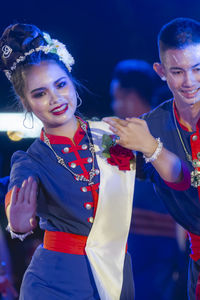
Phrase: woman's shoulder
x=22 y=156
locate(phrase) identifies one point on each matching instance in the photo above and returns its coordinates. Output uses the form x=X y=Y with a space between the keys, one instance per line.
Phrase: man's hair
x=178 y=34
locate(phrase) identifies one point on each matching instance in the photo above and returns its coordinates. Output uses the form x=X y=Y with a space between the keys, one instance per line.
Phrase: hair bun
x=19 y=38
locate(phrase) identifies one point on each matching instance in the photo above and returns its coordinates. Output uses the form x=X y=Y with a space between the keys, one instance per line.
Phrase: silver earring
x=28 y=119
x=80 y=100
x=163 y=78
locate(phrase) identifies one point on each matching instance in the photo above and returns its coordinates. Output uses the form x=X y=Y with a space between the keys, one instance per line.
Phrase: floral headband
x=53 y=46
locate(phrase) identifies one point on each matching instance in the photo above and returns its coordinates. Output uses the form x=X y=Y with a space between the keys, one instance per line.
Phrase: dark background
x=98 y=34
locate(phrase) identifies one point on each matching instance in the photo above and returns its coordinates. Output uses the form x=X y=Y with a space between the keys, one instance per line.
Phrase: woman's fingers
x=14 y=195
x=21 y=192
x=27 y=189
x=26 y=193
x=33 y=201
x=33 y=193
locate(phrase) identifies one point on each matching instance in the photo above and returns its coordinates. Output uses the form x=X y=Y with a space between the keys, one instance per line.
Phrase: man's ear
x=159 y=69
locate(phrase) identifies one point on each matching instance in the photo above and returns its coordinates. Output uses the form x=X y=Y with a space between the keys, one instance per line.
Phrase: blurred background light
x=13 y=124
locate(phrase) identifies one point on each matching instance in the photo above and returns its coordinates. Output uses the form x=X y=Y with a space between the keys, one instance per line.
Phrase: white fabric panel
x=106 y=243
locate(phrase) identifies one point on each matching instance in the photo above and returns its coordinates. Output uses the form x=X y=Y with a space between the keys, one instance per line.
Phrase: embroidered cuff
x=185 y=183
x=20 y=236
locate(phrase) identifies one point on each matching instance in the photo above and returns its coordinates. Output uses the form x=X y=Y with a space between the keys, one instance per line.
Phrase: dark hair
x=137 y=75
x=178 y=34
x=21 y=38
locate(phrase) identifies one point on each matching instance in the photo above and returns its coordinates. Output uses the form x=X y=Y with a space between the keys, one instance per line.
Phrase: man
x=163 y=267
x=177 y=123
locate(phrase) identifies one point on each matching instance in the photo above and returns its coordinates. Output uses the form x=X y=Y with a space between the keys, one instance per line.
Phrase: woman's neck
x=67 y=130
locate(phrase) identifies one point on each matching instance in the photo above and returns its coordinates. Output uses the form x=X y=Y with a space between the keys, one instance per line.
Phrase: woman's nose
x=55 y=97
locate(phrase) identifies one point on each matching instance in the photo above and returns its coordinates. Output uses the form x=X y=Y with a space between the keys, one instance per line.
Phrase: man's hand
x=134 y=134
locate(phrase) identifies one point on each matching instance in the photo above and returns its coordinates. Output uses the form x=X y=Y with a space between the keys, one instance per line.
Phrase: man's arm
x=134 y=134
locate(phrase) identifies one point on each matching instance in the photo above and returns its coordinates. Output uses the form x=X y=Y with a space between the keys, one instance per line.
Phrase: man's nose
x=189 y=79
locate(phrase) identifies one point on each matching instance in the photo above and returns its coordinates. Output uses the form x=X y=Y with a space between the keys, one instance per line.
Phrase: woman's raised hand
x=22 y=208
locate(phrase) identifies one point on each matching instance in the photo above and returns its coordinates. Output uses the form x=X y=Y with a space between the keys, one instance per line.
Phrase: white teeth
x=60 y=108
x=190 y=92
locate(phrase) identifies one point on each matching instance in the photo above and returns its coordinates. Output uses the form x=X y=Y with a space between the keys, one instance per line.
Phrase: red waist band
x=195 y=246
x=65 y=242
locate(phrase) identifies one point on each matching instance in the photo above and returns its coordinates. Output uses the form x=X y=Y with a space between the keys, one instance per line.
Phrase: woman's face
x=50 y=95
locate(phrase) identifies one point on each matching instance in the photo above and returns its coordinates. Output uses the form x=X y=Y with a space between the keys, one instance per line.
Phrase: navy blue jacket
x=184 y=206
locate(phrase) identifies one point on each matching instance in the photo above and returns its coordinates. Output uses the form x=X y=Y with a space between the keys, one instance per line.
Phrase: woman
x=83 y=199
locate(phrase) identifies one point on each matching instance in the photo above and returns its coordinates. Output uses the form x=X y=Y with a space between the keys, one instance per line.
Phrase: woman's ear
x=159 y=69
x=25 y=104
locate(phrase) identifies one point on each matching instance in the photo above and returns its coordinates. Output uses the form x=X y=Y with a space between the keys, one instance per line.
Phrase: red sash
x=65 y=242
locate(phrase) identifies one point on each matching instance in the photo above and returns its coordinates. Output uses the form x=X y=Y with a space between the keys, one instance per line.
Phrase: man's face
x=181 y=68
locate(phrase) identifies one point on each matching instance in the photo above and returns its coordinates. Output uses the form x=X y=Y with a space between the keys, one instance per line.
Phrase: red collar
x=56 y=139
x=178 y=119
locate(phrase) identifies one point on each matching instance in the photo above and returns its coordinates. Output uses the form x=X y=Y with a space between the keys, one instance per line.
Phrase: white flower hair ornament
x=53 y=46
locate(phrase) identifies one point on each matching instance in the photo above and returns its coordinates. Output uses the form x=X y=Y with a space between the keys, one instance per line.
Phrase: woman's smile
x=60 y=109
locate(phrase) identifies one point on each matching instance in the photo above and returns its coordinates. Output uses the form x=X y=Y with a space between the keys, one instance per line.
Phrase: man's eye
x=176 y=72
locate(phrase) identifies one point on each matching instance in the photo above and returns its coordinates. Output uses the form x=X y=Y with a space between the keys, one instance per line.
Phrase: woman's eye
x=61 y=84
x=38 y=95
